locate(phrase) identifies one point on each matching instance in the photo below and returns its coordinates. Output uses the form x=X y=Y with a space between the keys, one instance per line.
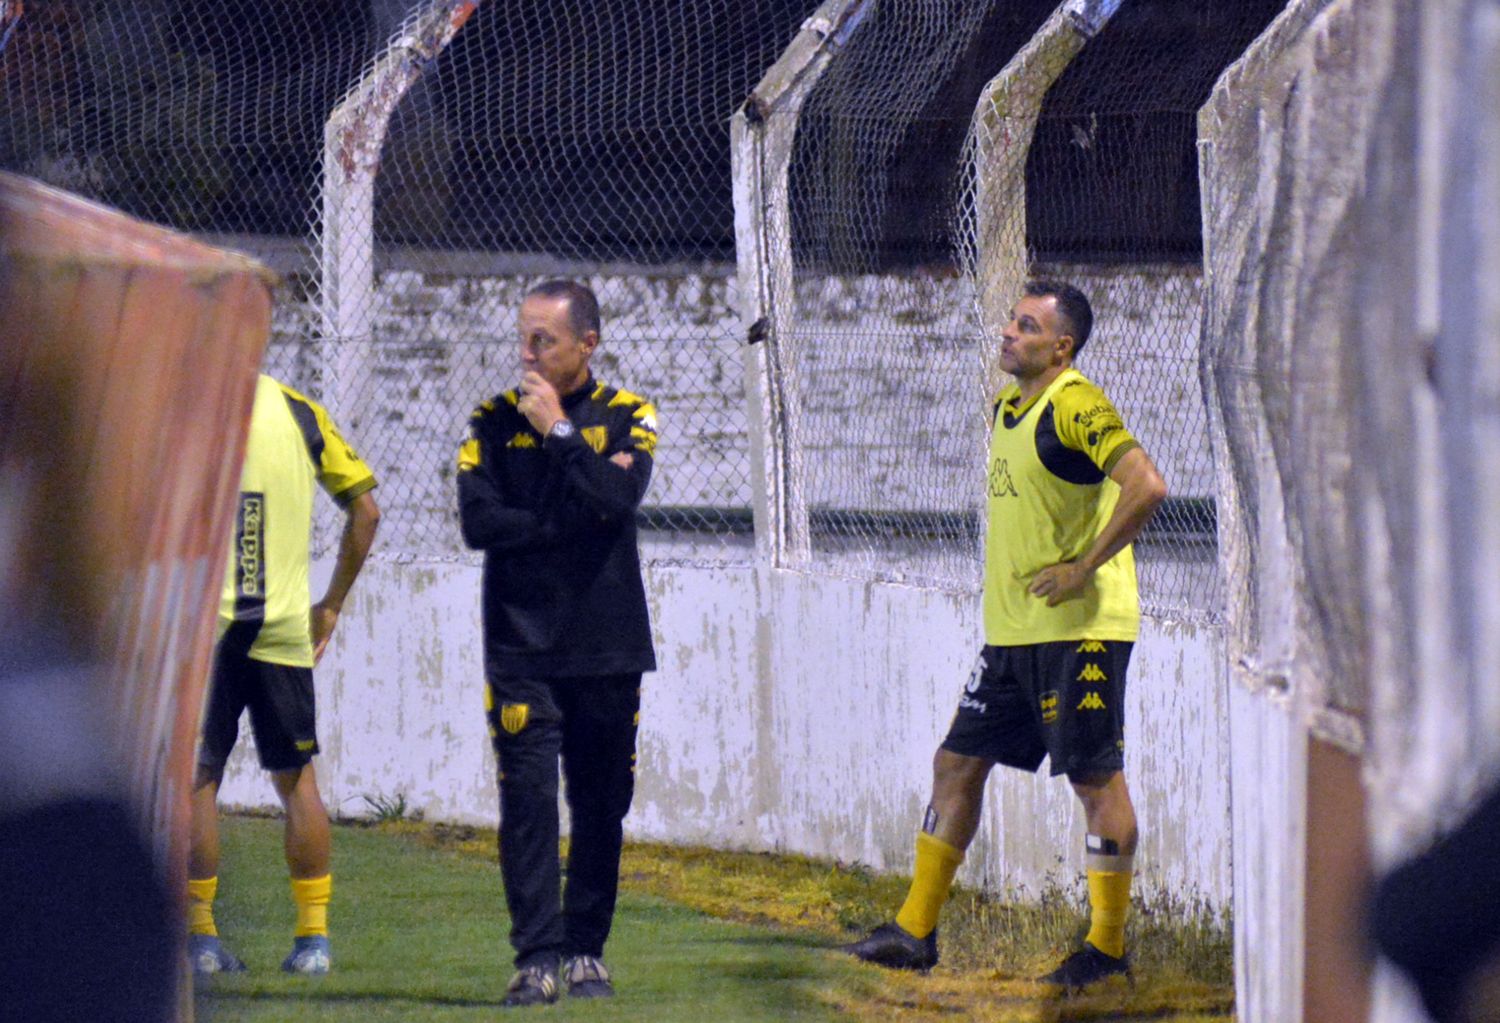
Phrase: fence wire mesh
x=912 y=174
x=545 y=140
x=884 y=415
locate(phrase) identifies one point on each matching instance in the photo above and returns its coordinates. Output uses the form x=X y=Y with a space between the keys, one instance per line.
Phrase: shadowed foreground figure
x=1069 y=490
x=1437 y=917
x=86 y=925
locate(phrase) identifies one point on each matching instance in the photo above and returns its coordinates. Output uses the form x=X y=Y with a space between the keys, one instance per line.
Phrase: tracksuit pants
x=590 y=723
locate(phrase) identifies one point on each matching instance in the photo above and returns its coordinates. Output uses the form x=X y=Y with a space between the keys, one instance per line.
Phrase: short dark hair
x=1072 y=304
x=583 y=305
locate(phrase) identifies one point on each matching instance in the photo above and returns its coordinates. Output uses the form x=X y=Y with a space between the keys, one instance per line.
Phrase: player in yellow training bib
x=270 y=636
x=1068 y=490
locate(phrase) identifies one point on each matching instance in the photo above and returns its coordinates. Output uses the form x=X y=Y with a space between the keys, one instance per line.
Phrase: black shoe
x=587 y=978
x=532 y=985
x=1088 y=966
x=892 y=947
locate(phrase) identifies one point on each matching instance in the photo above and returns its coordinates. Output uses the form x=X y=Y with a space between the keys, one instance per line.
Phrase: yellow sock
x=1109 y=902
x=201 y=906
x=932 y=876
x=311 y=897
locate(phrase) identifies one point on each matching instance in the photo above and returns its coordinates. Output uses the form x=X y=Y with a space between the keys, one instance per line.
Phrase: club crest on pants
x=513 y=716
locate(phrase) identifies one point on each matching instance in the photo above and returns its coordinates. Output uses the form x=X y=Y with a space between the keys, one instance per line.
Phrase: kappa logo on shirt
x=1091 y=702
x=1001 y=484
x=250 y=565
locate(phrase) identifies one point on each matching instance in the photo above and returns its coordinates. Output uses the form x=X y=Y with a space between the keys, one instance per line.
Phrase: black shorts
x=282 y=711
x=1060 y=700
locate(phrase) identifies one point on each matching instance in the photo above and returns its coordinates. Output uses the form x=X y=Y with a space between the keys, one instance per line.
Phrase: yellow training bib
x=1048 y=498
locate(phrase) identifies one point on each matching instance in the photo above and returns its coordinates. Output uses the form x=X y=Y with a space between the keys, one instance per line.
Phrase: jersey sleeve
x=486 y=521
x=468 y=449
x=643 y=429
x=1087 y=421
x=341 y=472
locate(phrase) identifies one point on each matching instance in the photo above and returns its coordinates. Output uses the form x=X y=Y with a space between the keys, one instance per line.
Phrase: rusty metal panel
x=127 y=371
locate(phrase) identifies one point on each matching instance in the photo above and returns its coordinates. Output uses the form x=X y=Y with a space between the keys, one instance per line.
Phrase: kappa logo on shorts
x=1092 y=673
x=1090 y=646
x=1049 y=702
x=1091 y=702
x=513 y=716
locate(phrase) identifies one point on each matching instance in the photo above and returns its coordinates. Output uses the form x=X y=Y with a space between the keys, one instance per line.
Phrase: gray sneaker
x=208 y=956
x=587 y=978
x=310 y=956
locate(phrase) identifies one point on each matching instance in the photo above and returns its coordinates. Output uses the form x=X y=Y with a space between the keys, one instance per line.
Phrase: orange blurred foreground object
x=128 y=361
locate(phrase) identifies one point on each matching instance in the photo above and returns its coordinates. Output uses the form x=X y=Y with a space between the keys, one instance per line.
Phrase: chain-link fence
x=925 y=186
x=885 y=420
x=543 y=140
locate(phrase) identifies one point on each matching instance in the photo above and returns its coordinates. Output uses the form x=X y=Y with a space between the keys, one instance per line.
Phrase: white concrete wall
x=791 y=712
x=1269 y=770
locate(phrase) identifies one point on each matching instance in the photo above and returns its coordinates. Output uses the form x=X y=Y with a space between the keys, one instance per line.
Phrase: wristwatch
x=562 y=430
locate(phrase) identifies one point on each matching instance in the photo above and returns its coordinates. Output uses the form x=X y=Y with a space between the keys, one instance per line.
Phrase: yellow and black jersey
x=1049 y=496
x=293 y=446
x=556 y=519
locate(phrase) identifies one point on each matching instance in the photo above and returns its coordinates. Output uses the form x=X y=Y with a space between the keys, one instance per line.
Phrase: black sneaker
x=532 y=985
x=889 y=945
x=1088 y=966
x=587 y=978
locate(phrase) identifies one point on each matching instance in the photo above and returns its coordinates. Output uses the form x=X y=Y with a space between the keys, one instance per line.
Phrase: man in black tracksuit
x=549 y=480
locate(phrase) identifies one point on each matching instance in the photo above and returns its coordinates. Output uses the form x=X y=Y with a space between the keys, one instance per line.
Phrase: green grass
x=419 y=933
x=991 y=949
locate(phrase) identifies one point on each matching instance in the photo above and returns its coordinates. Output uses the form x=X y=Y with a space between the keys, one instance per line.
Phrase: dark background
x=208 y=115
